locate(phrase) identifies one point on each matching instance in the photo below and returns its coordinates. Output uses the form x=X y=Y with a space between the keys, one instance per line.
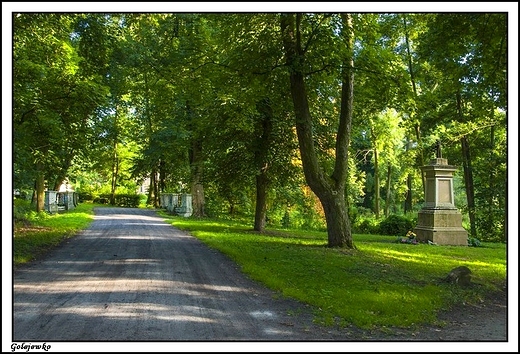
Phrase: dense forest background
x=312 y=120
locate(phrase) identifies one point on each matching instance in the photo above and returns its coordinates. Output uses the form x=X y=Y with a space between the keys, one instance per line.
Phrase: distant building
x=144 y=187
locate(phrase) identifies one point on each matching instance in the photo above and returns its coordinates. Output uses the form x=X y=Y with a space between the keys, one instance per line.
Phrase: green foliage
x=396 y=225
x=121 y=200
x=85 y=197
x=474 y=242
x=54 y=98
x=366 y=226
x=109 y=99
x=21 y=210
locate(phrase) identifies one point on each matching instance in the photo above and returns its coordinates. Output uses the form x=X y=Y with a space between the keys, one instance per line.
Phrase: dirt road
x=133 y=277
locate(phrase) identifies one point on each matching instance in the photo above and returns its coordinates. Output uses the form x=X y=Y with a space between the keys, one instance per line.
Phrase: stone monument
x=439 y=221
x=178 y=204
x=51 y=201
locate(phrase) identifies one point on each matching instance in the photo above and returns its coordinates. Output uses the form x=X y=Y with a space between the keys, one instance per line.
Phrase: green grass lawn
x=380 y=284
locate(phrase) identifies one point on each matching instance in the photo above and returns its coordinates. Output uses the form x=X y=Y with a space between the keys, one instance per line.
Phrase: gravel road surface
x=132 y=277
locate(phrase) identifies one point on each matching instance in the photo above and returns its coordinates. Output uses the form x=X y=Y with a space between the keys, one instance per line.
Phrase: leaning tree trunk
x=330 y=189
x=62 y=171
x=417 y=128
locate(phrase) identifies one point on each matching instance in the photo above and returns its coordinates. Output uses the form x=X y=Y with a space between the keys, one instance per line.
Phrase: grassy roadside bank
x=381 y=284
x=37 y=233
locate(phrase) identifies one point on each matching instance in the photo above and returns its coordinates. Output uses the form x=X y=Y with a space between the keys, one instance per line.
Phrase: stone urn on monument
x=439 y=221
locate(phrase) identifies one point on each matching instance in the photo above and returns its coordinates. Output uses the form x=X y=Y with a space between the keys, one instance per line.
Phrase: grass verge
x=380 y=284
x=37 y=233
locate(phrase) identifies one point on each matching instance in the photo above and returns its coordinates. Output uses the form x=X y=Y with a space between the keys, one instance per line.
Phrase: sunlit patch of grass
x=44 y=231
x=381 y=283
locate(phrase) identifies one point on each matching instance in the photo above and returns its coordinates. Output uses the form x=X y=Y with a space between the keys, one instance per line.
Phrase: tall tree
x=330 y=189
x=55 y=98
x=249 y=110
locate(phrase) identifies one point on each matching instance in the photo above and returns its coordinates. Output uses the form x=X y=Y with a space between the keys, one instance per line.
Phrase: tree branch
x=313 y=33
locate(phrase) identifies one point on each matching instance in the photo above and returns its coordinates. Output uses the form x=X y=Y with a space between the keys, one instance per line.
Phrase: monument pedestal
x=441 y=226
x=440 y=221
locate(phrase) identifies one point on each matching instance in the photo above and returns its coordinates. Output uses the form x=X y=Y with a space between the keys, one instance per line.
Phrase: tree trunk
x=408 y=198
x=417 y=128
x=262 y=145
x=231 y=210
x=153 y=199
x=330 y=190
x=115 y=158
x=197 y=192
x=115 y=172
x=490 y=203
x=388 y=193
x=162 y=176
x=377 y=193
x=40 y=189
x=197 y=189
x=468 y=182
x=338 y=221
x=261 y=202
x=58 y=182
x=155 y=189
x=468 y=173
x=63 y=171
x=421 y=157
x=408 y=201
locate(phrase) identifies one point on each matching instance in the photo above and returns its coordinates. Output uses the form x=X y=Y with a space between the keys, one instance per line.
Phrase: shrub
x=474 y=242
x=122 y=200
x=127 y=200
x=85 y=196
x=395 y=225
x=21 y=210
x=366 y=226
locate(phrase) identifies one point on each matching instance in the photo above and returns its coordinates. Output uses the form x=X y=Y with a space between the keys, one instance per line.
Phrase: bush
x=127 y=200
x=395 y=225
x=366 y=226
x=474 y=242
x=21 y=210
x=122 y=200
x=85 y=196
x=25 y=212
